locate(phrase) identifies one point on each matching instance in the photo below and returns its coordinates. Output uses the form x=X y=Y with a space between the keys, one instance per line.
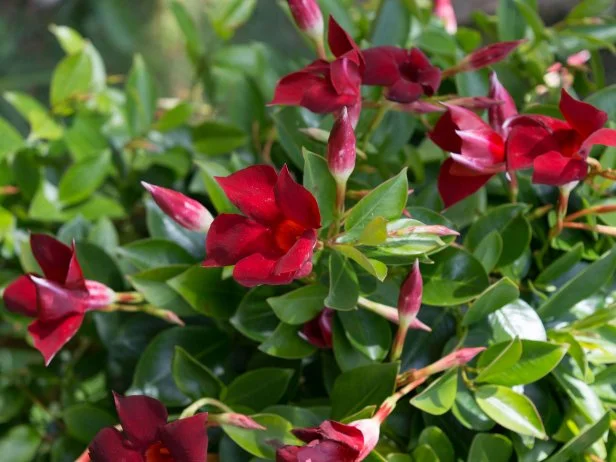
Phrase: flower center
x=158 y=453
x=286 y=233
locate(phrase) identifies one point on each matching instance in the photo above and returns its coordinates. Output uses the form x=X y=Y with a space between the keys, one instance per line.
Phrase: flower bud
x=318 y=331
x=370 y=429
x=99 y=295
x=236 y=420
x=183 y=210
x=484 y=57
x=454 y=359
x=341 y=149
x=409 y=300
x=308 y=17
x=443 y=9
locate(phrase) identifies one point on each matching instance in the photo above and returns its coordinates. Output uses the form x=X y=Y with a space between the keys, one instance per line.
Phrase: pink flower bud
x=236 y=420
x=485 y=56
x=183 y=210
x=444 y=10
x=454 y=359
x=99 y=295
x=341 y=150
x=409 y=300
x=308 y=17
x=371 y=429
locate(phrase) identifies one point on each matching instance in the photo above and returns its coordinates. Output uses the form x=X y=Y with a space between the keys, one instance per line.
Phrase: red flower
x=325 y=87
x=147 y=437
x=407 y=74
x=59 y=300
x=318 y=331
x=557 y=149
x=273 y=243
x=333 y=441
x=477 y=148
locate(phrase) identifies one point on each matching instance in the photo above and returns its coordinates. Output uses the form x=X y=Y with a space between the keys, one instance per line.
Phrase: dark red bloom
x=557 y=149
x=325 y=87
x=147 y=437
x=318 y=331
x=274 y=242
x=407 y=74
x=59 y=300
x=477 y=149
x=333 y=441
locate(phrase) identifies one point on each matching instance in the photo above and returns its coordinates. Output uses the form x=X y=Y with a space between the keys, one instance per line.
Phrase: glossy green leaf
x=83 y=421
x=583 y=441
x=299 y=305
x=589 y=8
x=320 y=182
x=347 y=356
x=343 y=284
x=490 y=448
x=228 y=15
x=20 y=444
x=368 y=332
x=41 y=124
x=152 y=283
x=510 y=409
x=152 y=253
x=215 y=138
x=287 y=343
x=141 y=97
x=374 y=233
x=12 y=402
x=70 y=40
x=489 y=250
x=438 y=441
x=517 y=319
x=391 y=25
x=439 y=397
x=467 y=411
x=72 y=78
x=258 y=443
x=493 y=298
x=10 y=139
x=83 y=178
x=374 y=267
x=511 y=24
x=192 y=378
x=424 y=453
x=497 y=359
x=455 y=277
x=254 y=316
x=209 y=170
x=258 y=389
x=561 y=265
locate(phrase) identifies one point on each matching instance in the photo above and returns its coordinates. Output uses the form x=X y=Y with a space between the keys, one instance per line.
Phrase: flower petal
x=404 y=91
x=453 y=189
x=107 y=446
x=55 y=301
x=53 y=256
x=555 y=169
x=345 y=78
x=297 y=255
x=256 y=269
x=74 y=275
x=483 y=149
x=296 y=202
x=323 y=99
x=418 y=68
x=340 y=42
x=584 y=117
x=528 y=138
x=252 y=191
x=382 y=65
x=327 y=451
x=346 y=434
x=288 y=454
x=604 y=137
x=233 y=237
x=186 y=439
x=20 y=297
x=291 y=88
x=498 y=114
x=141 y=418
x=50 y=336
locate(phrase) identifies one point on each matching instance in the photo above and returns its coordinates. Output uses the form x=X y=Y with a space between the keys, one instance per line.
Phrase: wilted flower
x=318 y=331
x=273 y=243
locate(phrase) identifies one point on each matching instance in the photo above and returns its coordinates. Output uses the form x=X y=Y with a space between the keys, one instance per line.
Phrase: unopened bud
x=484 y=57
x=455 y=359
x=236 y=420
x=444 y=10
x=308 y=17
x=341 y=148
x=99 y=295
x=183 y=210
x=409 y=303
x=318 y=331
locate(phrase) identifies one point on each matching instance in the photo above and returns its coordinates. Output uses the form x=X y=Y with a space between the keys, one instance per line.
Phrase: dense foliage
x=401 y=250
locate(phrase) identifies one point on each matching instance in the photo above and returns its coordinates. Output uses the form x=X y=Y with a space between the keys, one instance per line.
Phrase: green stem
x=374 y=123
x=194 y=407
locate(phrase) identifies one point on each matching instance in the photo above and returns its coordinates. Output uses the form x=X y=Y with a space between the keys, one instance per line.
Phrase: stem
x=390 y=403
x=513 y=187
x=129 y=298
x=388 y=312
x=321 y=53
x=165 y=315
x=398 y=344
x=194 y=407
x=374 y=123
x=595 y=210
x=561 y=212
x=602 y=229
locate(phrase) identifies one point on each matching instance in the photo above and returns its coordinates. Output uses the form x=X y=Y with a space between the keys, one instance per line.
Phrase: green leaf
x=300 y=305
x=153 y=374
x=493 y=298
x=153 y=253
x=175 y=117
x=537 y=359
x=605 y=99
x=70 y=40
x=347 y=356
x=498 y=359
x=391 y=25
x=192 y=378
x=152 y=283
x=141 y=98
x=104 y=235
x=490 y=448
x=438 y=441
x=517 y=319
x=83 y=421
x=374 y=267
x=72 y=78
x=218 y=197
x=206 y=292
x=467 y=412
x=320 y=182
x=511 y=24
x=386 y=200
x=424 y=453
x=455 y=277
x=343 y=285
x=193 y=38
x=374 y=233
x=259 y=443
x=226 y=16
x=368 y=332
x=561 y=265
x=254 y=317
x=20 y=444
x=532 y=18
x=214 y=138
x=286 y=342
x=583 y=441
x=258 y=389
x=589 y=8
x=10 y=139
x=361 y=387
x=581 y=286
x=41 y=124
x=83 y=178
x=439 y=397
x=511 y=410
x=489 y=250
x=12 y=402
x=436 y=40
x=96 y=264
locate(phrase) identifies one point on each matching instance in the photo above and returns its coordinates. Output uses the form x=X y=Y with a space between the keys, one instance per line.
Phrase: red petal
x=345 y=78
x=383 y=65
x=340 y=42
x=346 y=434
x=488 y=55
x=141 y=418
x=20 y=297
x=404 y=91
x=482 y=150
x=466 y=119
x=554 y=169
x=455 y=188
x=233 y=237
x=499 y=113
x=444 y=134
x=55 y=301
x=604 y=137
x=584 y=117
x=296 y=202
x=528 y=138
x=252 y=191
x=297 y=255
x=323 y=99
x=419 y=69
x=108 y=446
x=255 y=270
x=288 y=454
x=291 y=88
x=50 y=336
x=318 y=331
x=53 y=256
x=74 y=275
x=327 y=451
x=186 y=439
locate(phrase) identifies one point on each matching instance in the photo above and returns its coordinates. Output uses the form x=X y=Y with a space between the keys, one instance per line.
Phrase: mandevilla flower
x=147 y=437
x=325 y=87
x=318 y=331
x=557 y=149
x=407 y=74
x=183 y=210
x=333 y=441
x=477 y=149
x=274 y=242
x=59 y=300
